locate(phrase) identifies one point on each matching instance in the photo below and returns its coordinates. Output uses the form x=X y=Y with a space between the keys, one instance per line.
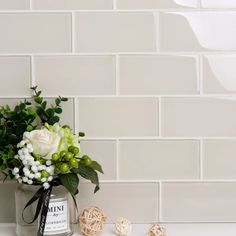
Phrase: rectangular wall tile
x=71 y=4
x=199 y=202
x=118 y=117
x=103 y=152
x=155 y=4
x=200 y=31
x=198 y=117
x=135 y=201
x=219 y=159
x=14 y=4
x=218 y=3
x=84 y=75
x=7 y=202
x=219 y=74
x=114 y=32
x=158 y=75
x=28 y=32
x=162 y=160
x=15 y=76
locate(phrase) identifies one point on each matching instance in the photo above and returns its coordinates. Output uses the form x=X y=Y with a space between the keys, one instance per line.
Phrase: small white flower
x=25 y=162
x=34 y=169
x=37 y=163
x=20 y=152
x=25 y=169
x=15 y=171
x=31 y=176
x=48 y=162
x=25 y=151
x=17 y=176
x=37 y=175
x=27 y=173
x=30 y=182
x=25 y=179
x=16 y=157
x=22 y=143
x=43 y=180
x=50 y=178
x=19 y=180
x=46 y=185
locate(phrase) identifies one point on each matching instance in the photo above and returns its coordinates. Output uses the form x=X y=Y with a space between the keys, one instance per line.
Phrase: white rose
x=44 y=142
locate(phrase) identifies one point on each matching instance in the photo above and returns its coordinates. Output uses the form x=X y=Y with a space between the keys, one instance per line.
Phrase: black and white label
x=57 y=218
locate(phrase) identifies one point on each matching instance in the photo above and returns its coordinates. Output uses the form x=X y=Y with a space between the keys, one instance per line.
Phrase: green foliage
x=14 y=122
x=47 y=114
x=70 y=181
x=89 y=174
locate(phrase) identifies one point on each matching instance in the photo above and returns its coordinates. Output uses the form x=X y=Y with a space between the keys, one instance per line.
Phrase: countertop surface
x=205 y=229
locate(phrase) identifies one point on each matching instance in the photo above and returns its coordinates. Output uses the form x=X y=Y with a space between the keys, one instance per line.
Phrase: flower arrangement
x=36 y=150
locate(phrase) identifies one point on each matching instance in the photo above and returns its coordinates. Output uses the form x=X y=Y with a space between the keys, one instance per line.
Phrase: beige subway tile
x=35 y=32
x=118 y=117
x=218 y=3
x=7 y=202
x=158 y=75
x=199 y=202
x=114 y=32
x=150 y=160
x=135 y=201
x=200 y=31
x=198 y=117
x=15 y=76
x=219 y=74
x=219 y=159
x=104 y=152
x=155 y=4
x=71 y=4
x=14 y=4
x=76 y=75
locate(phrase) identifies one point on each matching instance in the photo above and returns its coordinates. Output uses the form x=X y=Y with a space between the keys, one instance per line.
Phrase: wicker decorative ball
x=157 y=230
x=92 y=221
x=123 y=227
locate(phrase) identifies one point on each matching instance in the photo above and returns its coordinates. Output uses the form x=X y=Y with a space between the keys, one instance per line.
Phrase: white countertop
x=172 y=230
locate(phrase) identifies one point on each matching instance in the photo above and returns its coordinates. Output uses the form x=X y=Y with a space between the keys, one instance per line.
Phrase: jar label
x=57 y=218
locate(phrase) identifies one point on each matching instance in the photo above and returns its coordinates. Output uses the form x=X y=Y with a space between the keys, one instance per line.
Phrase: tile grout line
x=226 y=96
x=114 y=5
x=200 y=4
x=32 y=71
x=116 y=10
x=200 y=73
x=73 y=32
x=117 y=62
x=75 y=107
x=129 y=53
x=157 y=31
x=201 y=159
x=77 y=110
x=159 y=202
x=30 y=5
x=159 y=117
x=117 y=160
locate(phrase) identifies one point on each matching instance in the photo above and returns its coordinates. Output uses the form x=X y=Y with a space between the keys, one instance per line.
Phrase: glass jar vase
x=58 y=221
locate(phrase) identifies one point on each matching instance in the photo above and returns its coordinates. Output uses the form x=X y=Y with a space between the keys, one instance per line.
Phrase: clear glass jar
x=58 y=218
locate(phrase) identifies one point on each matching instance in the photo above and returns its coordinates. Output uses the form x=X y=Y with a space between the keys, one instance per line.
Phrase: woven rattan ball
x=157 y=230
x=123 y=227
x=92 y=221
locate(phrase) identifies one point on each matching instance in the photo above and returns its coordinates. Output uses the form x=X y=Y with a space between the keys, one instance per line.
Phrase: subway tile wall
x=153 y=85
